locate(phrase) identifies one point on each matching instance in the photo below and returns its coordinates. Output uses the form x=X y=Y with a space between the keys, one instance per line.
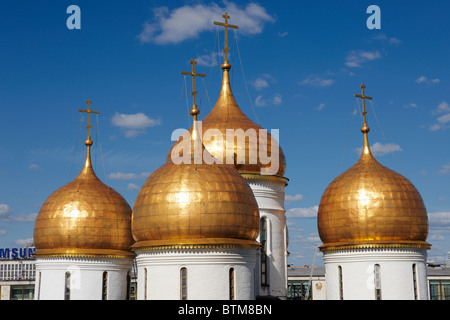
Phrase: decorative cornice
x=82 y=253
x=375 y=245
x=276 y=179
x=184 y=244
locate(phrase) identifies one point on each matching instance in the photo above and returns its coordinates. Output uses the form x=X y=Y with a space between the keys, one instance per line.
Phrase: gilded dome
x=371 y=204
x=84 y=217
x=193 y=201
x=226 y=114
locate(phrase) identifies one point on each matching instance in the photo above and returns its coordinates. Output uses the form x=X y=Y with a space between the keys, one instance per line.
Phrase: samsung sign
x=14 y=253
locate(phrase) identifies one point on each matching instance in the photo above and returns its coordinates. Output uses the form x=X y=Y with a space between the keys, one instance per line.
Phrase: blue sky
x=302 y=62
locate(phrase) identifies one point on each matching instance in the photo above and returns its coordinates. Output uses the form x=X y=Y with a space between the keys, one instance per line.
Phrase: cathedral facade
x=203 y=227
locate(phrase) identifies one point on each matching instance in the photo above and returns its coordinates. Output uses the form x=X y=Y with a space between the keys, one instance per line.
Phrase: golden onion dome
x=369 y=205
x=84 y=218
x=191 y=201
x=226 y=115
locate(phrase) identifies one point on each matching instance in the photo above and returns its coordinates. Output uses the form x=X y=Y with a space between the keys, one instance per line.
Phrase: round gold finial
x=226 y=66
x=194 y=112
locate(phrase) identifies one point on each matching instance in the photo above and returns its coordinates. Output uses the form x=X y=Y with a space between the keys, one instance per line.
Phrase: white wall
x=86 y=278
x=270 y=198
x=207 y=273
x=358 y=273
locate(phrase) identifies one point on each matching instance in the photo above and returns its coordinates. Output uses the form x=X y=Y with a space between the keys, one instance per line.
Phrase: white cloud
x=356 y=58
x=443 y=107
x=127 y=176
x=435 y=127
x=6 y=215
x=187 y=22
x=133 y=187
x=321 y=106
x=5 y=211
x=275 y=101
x=316 y=81
x=208 y=60
x=383 y=37
x=134 y=124
x=445 y=169
x=379 y=149
x=283 y=34
x=411 y=105
x=395 y=41
x=423 y=79
x=260 y=83
x=310 y=212
x=288 y=199
x=440 y=221
x=34 y=166
x=24 y=217
x=443 y=120
x=23 y=242
x=263 y=81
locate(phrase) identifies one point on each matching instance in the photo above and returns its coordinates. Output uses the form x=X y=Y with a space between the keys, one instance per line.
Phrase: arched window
x=67 y=286
x=231 y=283
x=183 y=284
x=263 y=241
x=377 y=280
x=341 y=285
x=105 y=286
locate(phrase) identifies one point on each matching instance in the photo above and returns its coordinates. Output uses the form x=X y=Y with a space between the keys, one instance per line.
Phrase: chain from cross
x=89 y=111
x=226 y=25
x=363 y=97
x=194 y=111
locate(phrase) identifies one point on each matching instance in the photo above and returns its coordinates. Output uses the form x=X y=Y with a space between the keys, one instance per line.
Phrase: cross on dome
x=89 y=111
x=226 y=25
x=365 y=129
x=194 y=112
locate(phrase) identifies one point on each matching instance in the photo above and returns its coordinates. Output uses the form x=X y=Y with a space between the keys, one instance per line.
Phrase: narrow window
x=67 y=286
x=128 y=285
x=341 y=286
x=414 y=272
x=263 y=240
x=145 y=284
x=377 y=280
x=231 y=282
x=39 y=286
x=183 y=283
x=105 y=286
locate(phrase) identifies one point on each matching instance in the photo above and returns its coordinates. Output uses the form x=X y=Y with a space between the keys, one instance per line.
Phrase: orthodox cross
x=89 y=111
x=363 y=97
x=226 y=25
x=194 y=112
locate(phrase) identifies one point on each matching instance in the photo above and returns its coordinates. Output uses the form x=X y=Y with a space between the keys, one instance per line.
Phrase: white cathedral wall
x=86 y=278
x=270 y=198
x=396 y=273
x=207 y=273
